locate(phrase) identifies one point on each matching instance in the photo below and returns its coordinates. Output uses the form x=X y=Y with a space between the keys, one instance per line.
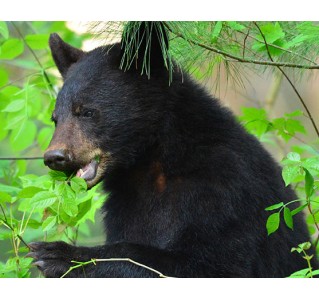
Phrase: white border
x=161 y=289
x=182 y=10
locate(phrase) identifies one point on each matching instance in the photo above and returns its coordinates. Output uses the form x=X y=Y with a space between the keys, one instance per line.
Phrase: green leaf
x=293 y=126
x=58 y=175
x=48 y=223
x=311 y=163
x=69 y=206
x=78 y=184
x=296 y=41
x=23 y=136
x=4 y=29
x=69 y=203
x=272 y=32
x=44 y=137
x=309 y=181
x=273 y=223
x=43 y=199
x=305 y=246
x=12 y=48
x=293 y=156
x=288 y=218
x=4 y=77
x=295 y=113
x=274 y=35
x=5 y=197
x=252 y=114
x=287 y=128
x=293 y=249
x=275 y=206
x=29 y=192
x=255 y=120
x=37 y=41
x=16 y=121
x=15 y=105
x=298 y=209
x=217 y=29
x=235 y=25
x=300 y=274
x=289 y=173
x=5 y=236
x=3 y=123
x=33 y=224
x=84 y=207
x=9 y=189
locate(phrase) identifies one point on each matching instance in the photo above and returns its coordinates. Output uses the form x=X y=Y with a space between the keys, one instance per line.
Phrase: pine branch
x=241 y=59
x=290 y=82
x=247 y=35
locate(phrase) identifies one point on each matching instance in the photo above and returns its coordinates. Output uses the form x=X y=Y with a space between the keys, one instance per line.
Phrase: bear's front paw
x=55 y=259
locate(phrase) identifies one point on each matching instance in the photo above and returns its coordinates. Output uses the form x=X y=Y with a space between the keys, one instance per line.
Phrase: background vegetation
x=39 y=205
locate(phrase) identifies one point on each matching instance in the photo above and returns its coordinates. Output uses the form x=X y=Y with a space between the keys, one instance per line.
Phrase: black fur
x=188 y=185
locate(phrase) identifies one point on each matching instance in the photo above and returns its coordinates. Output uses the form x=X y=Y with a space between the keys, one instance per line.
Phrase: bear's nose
x=56 y=159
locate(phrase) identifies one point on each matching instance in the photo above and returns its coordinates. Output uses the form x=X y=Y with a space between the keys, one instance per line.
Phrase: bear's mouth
x=89 y=171
x=92 y=172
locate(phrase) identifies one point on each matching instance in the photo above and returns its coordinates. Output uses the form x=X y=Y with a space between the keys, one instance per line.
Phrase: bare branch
x=21 y=158
x=95 y=260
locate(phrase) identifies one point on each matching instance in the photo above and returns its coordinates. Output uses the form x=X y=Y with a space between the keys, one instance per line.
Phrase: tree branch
x=21 y=158
x=95 y=260
x=290 y=82
x=274 y=46
x=241 y=59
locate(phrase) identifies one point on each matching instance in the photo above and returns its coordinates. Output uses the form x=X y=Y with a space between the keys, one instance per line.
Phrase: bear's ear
x=64 y=55
x=145 y=46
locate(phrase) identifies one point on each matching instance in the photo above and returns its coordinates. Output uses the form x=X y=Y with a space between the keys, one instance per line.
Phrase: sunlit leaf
x=43 y=199
x=48 y=223
x=11 y=48
x=275 y=206
x=289 y=173
x=273 y=223
x=4 y=29
x=37 y=41
x=23 y=136
x=288 y=218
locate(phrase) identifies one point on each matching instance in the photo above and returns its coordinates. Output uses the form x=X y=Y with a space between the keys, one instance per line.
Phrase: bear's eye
x=88 y=114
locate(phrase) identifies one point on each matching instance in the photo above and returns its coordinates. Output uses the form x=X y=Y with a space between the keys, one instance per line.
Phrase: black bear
x=188 y=186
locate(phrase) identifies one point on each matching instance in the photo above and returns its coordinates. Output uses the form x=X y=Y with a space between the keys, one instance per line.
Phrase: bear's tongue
x=89 y=171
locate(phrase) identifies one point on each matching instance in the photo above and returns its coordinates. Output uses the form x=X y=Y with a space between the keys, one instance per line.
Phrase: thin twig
x=5 y=221
x=241 y=59
x=245 y=42
x=310 y=116
x=36 y=58
x=21 y=78
x=274 y=46
x=133 y=262
x=21 y=158
x=95 y=260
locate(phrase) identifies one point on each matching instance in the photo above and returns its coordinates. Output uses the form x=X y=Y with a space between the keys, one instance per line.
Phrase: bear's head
x=107 y=117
